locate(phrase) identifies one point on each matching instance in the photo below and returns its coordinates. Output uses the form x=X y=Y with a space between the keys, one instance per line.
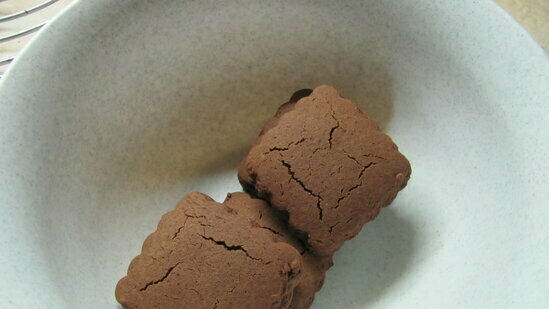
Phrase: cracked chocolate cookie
x=313 y=269
x=325 y=165
x=204 y=255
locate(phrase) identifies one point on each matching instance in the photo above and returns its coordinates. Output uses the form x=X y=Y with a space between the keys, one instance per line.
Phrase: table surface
x=532 y=14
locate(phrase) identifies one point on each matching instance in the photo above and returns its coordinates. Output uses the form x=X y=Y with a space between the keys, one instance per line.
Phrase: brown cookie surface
x=313 y=269
x=205 y=255
x=327 y=166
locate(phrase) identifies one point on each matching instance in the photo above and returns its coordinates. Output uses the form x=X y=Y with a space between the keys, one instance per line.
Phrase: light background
x=532 y=14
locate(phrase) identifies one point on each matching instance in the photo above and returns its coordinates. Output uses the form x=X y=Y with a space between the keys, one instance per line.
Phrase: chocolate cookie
x=327 y=166
x=313 y=269
x=205 y=255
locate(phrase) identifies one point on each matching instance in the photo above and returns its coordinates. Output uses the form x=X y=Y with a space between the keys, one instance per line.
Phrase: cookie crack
x=371 y=155
x=331 y=135
x=166 y=275
x=320 y=210
x=270 y=229
x=229 y=247
x=332 y=227
x=195 y=217
x=299 y=141
x=346 y=195
x=364 y=168
x=178 y=231
x=180 y=228
x=334 y=128
x=298 y=181
x=352 y=158
x=278 y=149
x=293 y=143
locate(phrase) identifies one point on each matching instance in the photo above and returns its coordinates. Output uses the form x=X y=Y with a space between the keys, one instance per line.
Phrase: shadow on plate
x=195 y=133
x=368 y=266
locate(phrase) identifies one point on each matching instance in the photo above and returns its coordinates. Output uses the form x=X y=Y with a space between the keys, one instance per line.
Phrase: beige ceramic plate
x=119 y=108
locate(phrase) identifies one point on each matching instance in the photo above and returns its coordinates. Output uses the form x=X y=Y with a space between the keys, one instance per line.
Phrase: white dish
x=117 y=109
